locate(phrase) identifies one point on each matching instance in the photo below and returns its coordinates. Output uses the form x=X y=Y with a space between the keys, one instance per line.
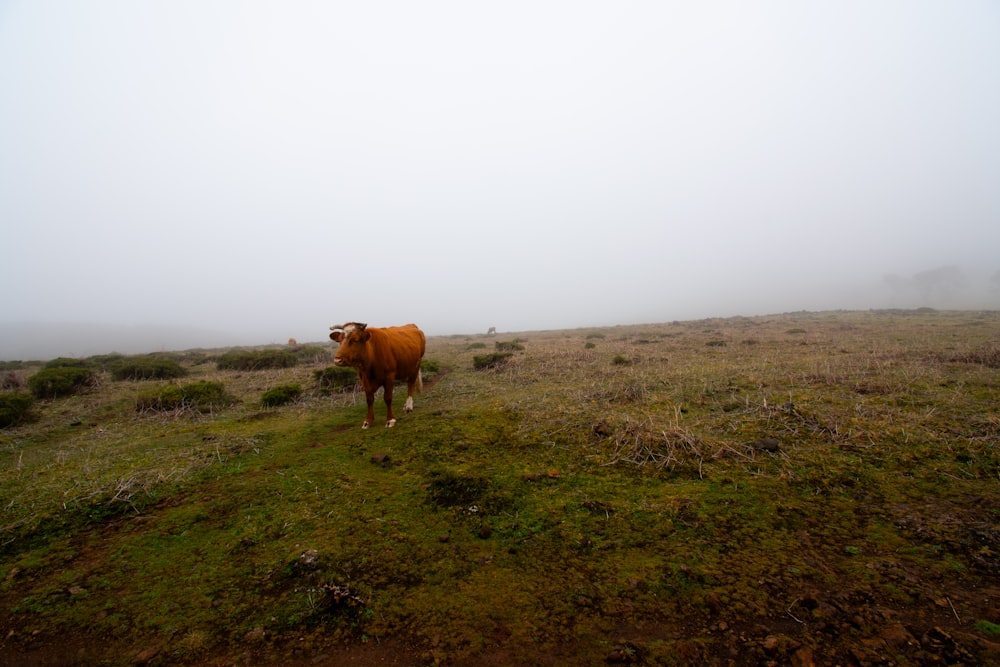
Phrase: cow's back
x=399 y=348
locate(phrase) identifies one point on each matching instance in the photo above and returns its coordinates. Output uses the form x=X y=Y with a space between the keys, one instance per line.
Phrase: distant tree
x=940 y=282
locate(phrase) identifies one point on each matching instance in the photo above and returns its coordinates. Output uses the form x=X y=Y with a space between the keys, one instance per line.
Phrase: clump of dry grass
x=11 y=381
x=988 y=355
x=644 y=443
x=618 y=390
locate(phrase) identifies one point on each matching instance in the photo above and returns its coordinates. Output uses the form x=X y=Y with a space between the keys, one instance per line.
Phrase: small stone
x=145 y=655
x=602 y=429
x=897 y=636
x=623 y=654
x=803 y=658
x=309 y=558
x=766 y=445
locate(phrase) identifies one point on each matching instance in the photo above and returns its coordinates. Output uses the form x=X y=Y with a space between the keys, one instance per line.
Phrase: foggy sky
x=268 y=169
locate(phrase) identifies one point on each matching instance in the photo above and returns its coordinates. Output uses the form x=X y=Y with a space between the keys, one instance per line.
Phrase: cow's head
x=351 y=337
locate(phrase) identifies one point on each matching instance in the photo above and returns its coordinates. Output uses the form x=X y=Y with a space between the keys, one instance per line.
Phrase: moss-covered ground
x=809 y=488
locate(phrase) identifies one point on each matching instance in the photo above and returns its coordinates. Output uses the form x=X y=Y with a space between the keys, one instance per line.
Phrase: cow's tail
x=420 y=381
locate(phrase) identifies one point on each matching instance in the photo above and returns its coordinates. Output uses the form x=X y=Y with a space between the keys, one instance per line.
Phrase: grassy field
x=807 y=488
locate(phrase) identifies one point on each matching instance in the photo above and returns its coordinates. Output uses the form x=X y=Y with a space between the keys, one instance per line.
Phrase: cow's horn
x=334 y=327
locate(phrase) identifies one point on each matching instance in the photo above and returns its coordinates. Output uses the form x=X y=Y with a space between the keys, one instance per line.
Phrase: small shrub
x=14 y=408
x=476 y=346
x=146 y=368
x=508 y=346
x=716 y=343
x=486 y=361
x=589 y=345
x=310 y=354
x=255 y=360
x=105 y=361
x=621 y=360
x=13 y=365
x=336 y=378
x=58 y=381
x=796 y=330
x=428 y=367
x=66 y=362
x=200 y=396
x=280 y=395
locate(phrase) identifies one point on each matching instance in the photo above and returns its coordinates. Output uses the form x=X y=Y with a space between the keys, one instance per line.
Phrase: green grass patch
x=988 y=628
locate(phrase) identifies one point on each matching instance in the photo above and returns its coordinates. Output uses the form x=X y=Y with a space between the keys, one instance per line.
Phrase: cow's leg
x=410 y=386
x=370 y=418
x=390 y=421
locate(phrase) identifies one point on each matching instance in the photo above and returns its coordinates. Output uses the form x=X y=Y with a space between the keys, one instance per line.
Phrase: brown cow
x=381 y=356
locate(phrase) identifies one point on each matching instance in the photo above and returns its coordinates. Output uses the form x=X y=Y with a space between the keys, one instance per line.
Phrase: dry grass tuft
x=987 y=355
x=643 y=443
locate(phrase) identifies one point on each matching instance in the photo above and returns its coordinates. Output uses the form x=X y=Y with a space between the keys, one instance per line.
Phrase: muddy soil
x=822 y=627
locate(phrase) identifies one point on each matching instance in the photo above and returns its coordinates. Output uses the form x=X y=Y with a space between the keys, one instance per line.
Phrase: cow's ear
x=337 y=336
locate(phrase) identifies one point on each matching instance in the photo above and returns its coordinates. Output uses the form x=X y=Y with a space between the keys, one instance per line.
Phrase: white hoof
x=365 y=425
x=390 y=423
x=409 y=404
